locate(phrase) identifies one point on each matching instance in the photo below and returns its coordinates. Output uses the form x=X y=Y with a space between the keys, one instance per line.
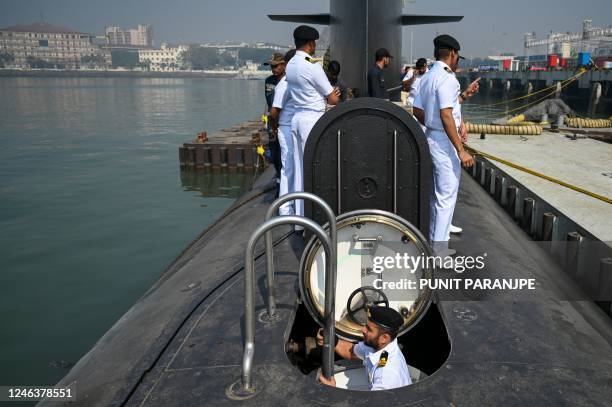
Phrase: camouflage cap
x=277 y=58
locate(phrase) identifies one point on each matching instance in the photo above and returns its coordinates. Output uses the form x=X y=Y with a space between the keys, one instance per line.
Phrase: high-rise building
x=141 y=36
x=42 y=45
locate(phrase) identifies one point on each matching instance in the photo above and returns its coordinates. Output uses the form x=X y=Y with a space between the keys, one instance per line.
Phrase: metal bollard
x=549 y=226
x=207 y=156
x=223 y=156
x=487 y=178
x=483 y=173
x=529 y=207
x=199 y=158
x=513 y=195
x=239 y=157
x=605 y=283
x=191 y=156
x=182 y=159
x=491 y=184
x=503 y=197
x=572 y=253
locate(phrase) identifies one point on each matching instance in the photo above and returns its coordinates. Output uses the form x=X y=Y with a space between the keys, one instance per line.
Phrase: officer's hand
x=337 y=91
x=463 y=134
x=326 y=381
x=473 y=88
x=320 y=337
x=466 y=159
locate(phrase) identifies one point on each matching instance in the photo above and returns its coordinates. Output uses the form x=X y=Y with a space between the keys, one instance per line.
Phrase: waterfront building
x=141 y=36
x=167 y=58
x=596 y=41
x=42 y=45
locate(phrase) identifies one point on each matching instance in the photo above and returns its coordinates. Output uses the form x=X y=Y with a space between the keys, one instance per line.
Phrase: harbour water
x=93 y=206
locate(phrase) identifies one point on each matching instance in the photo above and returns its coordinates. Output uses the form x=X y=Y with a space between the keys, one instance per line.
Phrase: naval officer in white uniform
x=309 y=90
x=437 y=108
x=412 y=80
x=281 y=114
x=384 y=362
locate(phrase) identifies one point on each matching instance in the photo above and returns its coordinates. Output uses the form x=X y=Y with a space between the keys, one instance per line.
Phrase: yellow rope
x=582 y=72
x=524 y=106
x=540 y=175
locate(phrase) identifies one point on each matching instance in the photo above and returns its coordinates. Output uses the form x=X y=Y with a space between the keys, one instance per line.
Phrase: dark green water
x=93 y=206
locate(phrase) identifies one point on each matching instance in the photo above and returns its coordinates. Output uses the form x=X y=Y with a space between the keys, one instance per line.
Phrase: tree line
x=198 y=57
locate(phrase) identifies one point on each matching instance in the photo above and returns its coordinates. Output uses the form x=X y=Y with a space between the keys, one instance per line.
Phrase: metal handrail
x=330 y=277
x=331 y=217
x=249 y=288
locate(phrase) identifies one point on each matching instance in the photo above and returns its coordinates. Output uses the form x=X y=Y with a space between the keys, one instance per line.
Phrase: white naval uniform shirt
x=394 y=374
x=439 y=89
x=414 y=87
x=283 y=101
x=308 y=86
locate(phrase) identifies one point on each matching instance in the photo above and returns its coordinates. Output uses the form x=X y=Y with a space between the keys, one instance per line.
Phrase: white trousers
x=443 y=198
x=301 y=125
x=285 y=139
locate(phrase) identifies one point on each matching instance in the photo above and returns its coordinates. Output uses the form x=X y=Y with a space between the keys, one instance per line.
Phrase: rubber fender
x=588 y=123
x=533 y=130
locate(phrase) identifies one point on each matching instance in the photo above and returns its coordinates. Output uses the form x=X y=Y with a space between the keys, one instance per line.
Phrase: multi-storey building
x=42 y=45
x=141 y=36
x=166 y=58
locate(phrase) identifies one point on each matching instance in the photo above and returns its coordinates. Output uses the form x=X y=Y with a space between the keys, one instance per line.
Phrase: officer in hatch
x=382 y=358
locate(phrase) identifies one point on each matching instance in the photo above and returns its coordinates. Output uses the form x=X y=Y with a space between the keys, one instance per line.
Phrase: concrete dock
x=582 y=162
x=231 y=148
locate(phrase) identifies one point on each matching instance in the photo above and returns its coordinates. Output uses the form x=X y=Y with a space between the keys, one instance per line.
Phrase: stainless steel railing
x=329 y=245
x=269 y=251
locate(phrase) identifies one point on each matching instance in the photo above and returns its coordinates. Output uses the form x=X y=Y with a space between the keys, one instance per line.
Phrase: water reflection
x=228 y=184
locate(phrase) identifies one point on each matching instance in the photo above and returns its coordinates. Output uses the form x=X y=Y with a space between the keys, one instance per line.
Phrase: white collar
x=390 y=348
x=302 y=53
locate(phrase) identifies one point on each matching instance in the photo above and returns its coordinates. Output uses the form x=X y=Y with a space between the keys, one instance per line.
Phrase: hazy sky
x=489 y=26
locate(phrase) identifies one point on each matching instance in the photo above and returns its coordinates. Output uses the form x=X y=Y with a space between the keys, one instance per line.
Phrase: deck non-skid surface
x=539 y=350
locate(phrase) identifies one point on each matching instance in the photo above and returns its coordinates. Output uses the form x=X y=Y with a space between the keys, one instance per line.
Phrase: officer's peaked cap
x=385 y=317
x=305 y=32
x=446 y=41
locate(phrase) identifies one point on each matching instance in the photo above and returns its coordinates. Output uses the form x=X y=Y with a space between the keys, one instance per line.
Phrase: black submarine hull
x=181 y=343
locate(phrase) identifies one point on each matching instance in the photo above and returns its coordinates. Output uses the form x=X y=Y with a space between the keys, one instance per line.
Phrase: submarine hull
x=181 y=346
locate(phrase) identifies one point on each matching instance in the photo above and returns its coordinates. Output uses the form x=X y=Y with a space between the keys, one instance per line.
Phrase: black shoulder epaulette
x=383 y=359
x=447 y=69
x=312 y=60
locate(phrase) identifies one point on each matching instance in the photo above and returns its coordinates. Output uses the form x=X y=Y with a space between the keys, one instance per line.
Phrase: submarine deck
x=583 y=162
x=181 y=344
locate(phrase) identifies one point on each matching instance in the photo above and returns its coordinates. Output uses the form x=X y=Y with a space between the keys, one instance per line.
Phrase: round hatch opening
x=365 y=239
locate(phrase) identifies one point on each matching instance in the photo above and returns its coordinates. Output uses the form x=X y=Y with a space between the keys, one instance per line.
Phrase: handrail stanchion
x=331 y=217
x=249 y=288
